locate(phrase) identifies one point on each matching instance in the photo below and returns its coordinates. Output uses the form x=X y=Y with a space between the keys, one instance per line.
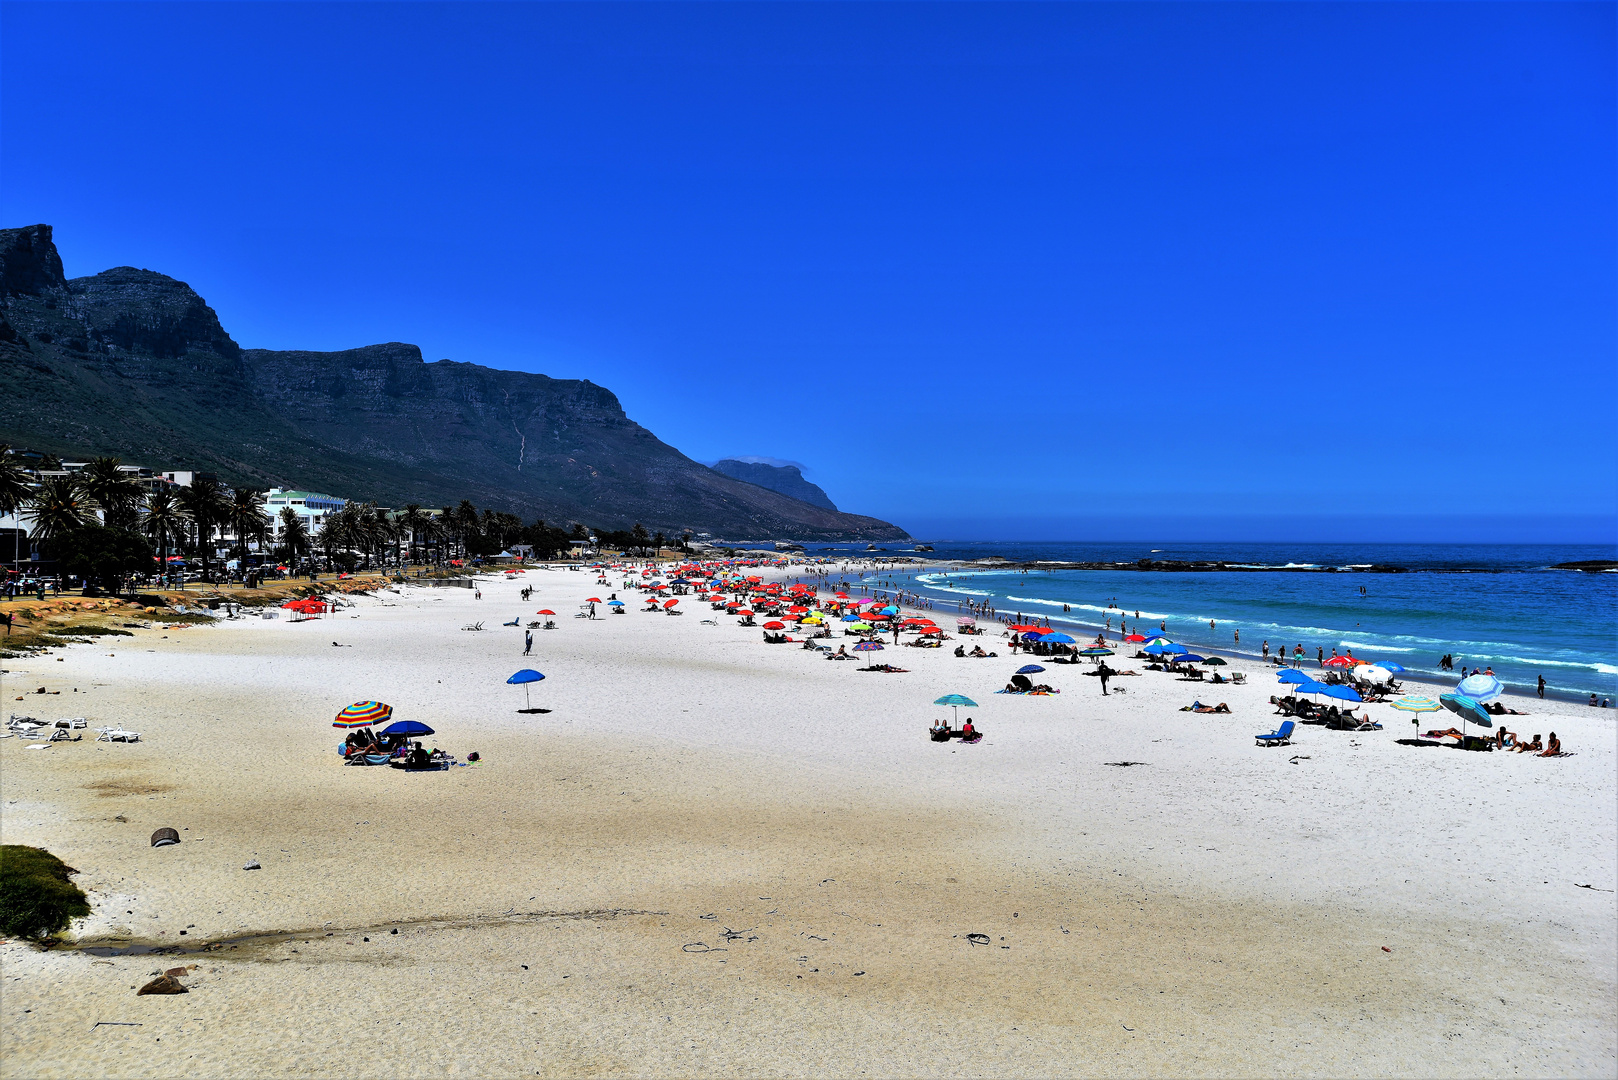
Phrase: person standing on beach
x=1542 y=686
x=1320 y=656
x=1106 y=673
x=527 y=642
x=1266 y=648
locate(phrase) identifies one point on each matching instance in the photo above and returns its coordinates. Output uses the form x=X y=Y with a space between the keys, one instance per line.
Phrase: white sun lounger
x=116 y=735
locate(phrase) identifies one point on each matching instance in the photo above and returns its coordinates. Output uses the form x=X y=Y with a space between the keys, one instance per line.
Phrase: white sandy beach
x=1342 y=906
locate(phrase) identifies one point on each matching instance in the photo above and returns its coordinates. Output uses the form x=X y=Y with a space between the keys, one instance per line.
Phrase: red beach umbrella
x=775 y=626
x=669 y=603
x=544 y=611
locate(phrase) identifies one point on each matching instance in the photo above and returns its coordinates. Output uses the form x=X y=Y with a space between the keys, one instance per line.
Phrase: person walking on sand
x=527 y=642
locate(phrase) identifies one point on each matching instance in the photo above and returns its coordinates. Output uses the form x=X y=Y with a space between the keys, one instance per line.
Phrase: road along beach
x=719 y=856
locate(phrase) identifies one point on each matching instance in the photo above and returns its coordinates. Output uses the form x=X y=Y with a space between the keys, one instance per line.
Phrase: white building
x=311 y=506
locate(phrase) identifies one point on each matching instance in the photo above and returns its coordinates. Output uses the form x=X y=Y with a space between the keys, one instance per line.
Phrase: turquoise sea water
x=1497 y=606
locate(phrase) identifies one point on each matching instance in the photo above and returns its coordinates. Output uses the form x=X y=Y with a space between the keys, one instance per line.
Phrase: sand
x=719 y=856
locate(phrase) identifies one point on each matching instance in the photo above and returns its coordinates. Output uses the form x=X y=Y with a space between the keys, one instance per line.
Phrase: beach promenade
x=716 y=856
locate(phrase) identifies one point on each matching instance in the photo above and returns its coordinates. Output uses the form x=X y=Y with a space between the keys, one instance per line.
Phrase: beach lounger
x=1282 y=736
x=116 y=735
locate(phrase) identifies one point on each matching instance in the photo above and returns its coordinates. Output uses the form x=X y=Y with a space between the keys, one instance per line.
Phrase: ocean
x=1499 y=606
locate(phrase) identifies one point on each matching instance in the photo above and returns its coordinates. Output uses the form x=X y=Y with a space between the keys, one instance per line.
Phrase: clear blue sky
x=1059 y=271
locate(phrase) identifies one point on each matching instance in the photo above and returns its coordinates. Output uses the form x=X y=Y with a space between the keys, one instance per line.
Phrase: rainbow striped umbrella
x=363 y=714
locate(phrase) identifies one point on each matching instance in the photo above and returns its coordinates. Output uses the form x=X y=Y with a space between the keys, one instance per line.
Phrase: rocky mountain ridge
x=134 y=363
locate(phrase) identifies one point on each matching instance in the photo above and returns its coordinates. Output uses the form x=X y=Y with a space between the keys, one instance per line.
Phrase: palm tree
x=466 y=522
x=294 y=536
x=410 y=524
x=58 y=507
x=164 y=521
x=246 y=517
x=114 y=491
x=206 y=503
x=15 y=489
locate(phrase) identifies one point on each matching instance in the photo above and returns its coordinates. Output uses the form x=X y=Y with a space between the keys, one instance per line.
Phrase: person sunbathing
x=1497 y=709
x=1504 y=738
x=1199 y=707
x=1552 y=748
x=1441 y=734
x=1530 y=748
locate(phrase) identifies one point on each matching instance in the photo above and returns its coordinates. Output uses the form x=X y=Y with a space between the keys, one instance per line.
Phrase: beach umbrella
x=1161 y=648
x=1341 y=661
x=544 y=611
x=851 y=618
x=1416 y=704
x=1187 y=658
x=1158 y=639
x=1373 y=673
x=1056 y=639
x=1388 y=665
x=744 y=613
x=667 y=604
x=868 y=646
x=1467 y=709
x=955 y=701
x=1293 y=675
x=927 y=631
x=1480 y=687
x=407 y=728
x=1343 y=693
x=525 y=677
x=859 y=626
x=890 y=610
x=363 y=714
x=1095 y=650
x=1312 y=687
x=1029 y=669
x=1135 y=638
x=615 y=603
x=775 y=626
x=592 y=599
x=966 y=620
x=1215 y=661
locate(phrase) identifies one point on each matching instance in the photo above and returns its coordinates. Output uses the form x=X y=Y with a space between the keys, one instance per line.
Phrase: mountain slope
x=133 y=363
x=786 y=479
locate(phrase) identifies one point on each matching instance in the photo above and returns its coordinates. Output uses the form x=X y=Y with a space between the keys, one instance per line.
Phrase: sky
x=1086 y=271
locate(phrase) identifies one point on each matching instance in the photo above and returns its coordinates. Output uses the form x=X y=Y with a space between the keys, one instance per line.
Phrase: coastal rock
x=163 y=984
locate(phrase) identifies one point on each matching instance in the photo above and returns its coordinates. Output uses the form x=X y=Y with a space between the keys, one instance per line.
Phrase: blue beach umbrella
x=1056 y=639
x=1343 y=693
x=525 y=677
x=1293 y=675
x=1188 y=658
x=1467 y=709
x=1388 y=665
x=615 y=603
x=407 y=728
x=1312 y=687
x=956 y=701
x=1164 y=647
x=852 y=618
x=1480 y=687
x=1029 y=669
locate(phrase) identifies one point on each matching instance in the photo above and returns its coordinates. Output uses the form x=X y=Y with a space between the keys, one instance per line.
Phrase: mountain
x=135 y=364
x=785 y=479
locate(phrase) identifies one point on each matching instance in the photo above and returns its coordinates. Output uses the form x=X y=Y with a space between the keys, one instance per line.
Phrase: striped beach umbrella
x=1480 y=687
x=1416 y=703
x=363 y=714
